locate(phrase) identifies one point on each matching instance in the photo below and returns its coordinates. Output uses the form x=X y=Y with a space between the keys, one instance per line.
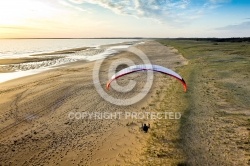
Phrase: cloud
x=219 y=1
x=65 y=3
x=138 y=7
x=160 y=10
x=236 y=27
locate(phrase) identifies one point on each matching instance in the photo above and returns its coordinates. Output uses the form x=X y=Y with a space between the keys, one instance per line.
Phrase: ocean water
x=12 y=48
x=20 y=48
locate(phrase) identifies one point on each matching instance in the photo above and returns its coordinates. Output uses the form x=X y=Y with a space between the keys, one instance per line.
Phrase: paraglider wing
x=155 y=68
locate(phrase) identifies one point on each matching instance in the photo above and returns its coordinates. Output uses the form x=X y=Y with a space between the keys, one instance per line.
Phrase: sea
x=12 y=48
x=27 y=48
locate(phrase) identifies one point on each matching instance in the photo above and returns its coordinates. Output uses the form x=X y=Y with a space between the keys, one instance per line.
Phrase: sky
x=124 y=18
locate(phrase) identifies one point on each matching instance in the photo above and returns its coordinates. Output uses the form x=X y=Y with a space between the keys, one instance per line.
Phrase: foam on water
x=30 y=68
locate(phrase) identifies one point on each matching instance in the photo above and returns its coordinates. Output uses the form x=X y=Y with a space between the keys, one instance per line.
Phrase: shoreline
x=37 y=107
x=41 y=48
x=37 y=63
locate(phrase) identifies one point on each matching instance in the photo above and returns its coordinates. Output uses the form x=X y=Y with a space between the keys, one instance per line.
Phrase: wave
x=46 y=61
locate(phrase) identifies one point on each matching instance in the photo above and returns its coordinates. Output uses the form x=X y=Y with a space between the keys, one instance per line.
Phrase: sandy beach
x=36 y=128
x=36 y=111
x=124 y=83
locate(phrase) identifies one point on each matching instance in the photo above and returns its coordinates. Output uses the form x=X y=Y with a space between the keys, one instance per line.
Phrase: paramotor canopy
x=146 y=67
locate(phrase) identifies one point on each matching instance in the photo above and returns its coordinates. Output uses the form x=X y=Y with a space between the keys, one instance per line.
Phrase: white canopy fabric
x=146 y=67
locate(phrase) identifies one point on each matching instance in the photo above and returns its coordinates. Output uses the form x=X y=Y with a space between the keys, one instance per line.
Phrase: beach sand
x=34 y=113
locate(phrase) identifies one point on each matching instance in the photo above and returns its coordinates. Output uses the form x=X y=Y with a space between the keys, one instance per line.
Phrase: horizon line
x=128 y=38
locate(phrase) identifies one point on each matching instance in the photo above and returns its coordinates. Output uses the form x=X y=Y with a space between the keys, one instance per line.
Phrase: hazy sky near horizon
x=124 y=18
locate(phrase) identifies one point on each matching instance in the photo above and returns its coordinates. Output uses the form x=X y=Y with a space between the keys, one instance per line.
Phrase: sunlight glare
x=16 y=12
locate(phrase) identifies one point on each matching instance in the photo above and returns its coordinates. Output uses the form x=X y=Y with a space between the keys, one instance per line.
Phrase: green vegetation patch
x=215 y=109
